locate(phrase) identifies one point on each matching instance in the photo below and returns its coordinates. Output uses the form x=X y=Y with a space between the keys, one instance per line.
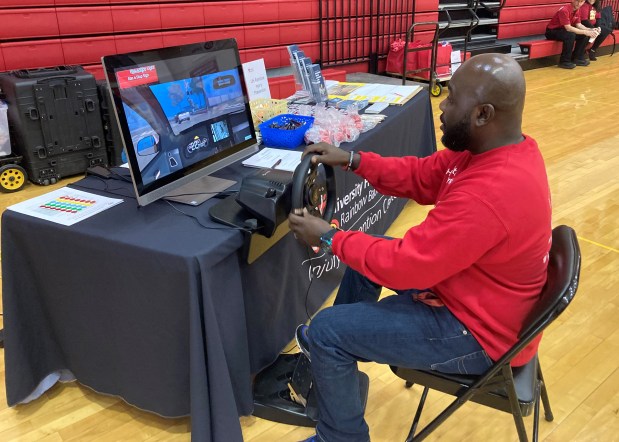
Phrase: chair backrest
x=561 y=283
x=559 y=290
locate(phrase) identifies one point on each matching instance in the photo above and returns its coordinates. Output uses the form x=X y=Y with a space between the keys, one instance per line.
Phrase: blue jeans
x=396 y=330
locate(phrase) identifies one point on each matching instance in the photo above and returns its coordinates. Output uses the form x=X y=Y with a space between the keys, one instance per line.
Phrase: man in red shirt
x=477 y=263
x=565 y=26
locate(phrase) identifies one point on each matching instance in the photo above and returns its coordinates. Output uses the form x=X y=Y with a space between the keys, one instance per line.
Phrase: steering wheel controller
x=313 y=190
x=270 y=195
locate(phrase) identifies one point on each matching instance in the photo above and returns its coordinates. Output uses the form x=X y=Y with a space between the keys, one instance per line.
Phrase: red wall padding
x=27 y=3
x=511 y=3
x=182 y=15
x=84 y=21
x=32 y=54
x=528 y=13
x=28 y=23
x=42 y=33
x=521 y=29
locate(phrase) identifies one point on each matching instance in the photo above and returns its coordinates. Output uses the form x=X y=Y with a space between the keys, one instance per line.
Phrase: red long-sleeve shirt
x=483 y=249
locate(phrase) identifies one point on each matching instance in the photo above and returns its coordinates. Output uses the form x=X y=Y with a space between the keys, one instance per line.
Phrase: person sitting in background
x=466 y=277
x=565 y=26
x=590 y=16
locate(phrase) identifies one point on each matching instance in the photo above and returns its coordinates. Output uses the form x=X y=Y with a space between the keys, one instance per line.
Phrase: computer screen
x=183 y=113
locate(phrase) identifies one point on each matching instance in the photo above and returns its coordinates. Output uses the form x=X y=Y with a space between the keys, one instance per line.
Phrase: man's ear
x=485 y=114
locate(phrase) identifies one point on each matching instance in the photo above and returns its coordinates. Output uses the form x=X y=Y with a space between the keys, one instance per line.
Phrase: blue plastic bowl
x=276 y=137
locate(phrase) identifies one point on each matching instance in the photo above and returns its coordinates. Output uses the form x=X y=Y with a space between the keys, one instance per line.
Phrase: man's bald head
x=486 y=103
x=496 y=79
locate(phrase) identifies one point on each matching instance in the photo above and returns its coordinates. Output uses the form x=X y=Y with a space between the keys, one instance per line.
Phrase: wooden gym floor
x=574 y=116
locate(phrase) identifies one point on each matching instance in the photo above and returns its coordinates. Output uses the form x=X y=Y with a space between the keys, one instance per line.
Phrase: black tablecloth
x=147 y=304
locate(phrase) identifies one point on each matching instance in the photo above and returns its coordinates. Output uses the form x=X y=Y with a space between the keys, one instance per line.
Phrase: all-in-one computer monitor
x=183 y=113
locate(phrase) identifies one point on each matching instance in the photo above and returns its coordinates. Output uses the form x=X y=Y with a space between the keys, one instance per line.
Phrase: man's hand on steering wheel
x=327 y=154
x=305 y=226
x=308 y=228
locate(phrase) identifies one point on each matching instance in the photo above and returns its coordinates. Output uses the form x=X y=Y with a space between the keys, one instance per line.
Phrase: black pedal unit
x=290 y=376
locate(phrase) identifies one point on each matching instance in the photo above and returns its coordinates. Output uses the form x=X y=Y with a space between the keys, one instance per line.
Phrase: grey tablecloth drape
x=146 y=304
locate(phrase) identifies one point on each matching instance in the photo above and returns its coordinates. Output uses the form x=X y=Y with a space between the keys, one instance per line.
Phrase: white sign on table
x=256 y=80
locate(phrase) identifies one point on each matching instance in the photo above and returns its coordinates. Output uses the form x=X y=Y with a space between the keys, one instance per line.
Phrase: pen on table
x=277 y=163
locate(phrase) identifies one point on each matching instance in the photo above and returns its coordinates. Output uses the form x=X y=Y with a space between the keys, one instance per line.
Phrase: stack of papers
x=372 y=92
x=270 y=158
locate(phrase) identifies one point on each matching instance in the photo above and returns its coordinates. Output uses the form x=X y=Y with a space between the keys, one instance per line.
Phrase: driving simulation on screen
x=202 y=106
x=183 y=113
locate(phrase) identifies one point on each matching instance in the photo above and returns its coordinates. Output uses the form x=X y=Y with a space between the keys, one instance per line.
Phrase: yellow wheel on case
x=436 y=89
x=12 y=178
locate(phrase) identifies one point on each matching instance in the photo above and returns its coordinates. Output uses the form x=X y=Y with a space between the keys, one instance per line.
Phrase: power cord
x=106 y=188
x=121 y=177
x=114 y=191
x=201 y=224
x=309 y=317
x=309 y=257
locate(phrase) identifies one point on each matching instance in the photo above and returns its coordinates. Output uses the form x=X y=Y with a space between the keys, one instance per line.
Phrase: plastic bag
x=334 y=126
x=395 y=57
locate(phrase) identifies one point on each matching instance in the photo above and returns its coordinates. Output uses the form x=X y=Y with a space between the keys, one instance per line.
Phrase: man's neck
x=496 y=142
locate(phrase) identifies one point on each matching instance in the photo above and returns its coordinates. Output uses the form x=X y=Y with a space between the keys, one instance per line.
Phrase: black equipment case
x=113 y=137
x=54 y=121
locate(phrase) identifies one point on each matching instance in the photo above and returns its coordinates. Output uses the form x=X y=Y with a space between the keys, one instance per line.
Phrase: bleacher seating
x=44 y=33
x=521 y=29
x=546 y=48
x=521 y=18
x=525 y=18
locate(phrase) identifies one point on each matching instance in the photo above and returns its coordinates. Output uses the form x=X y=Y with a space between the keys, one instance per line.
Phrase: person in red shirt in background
x=589 y=15
x=565 y=26
x=465 y=278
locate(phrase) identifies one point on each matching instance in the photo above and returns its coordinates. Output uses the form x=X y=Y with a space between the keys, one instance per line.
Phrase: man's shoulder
x=450 y=154
x=529 y=142
x=563 y=10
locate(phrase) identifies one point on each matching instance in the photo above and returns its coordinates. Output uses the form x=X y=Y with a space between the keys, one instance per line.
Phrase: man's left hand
x=308 y=228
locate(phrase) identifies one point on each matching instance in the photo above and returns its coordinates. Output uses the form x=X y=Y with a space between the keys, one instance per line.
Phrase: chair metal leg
x=438 y=420
x=408 y=384
x=536 y=410
x=422 y=401
x=544 y=393
x=515 y=405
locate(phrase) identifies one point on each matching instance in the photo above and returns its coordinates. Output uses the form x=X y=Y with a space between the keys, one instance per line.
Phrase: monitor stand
x=193 y=193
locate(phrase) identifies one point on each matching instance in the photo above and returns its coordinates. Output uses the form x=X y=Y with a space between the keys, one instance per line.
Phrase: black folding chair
x=513 y=390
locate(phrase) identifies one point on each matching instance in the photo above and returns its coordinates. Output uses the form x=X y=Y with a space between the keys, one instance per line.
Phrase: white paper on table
x=65 y=206
x=329 y=83
x=384 y=93
x=270 y=158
